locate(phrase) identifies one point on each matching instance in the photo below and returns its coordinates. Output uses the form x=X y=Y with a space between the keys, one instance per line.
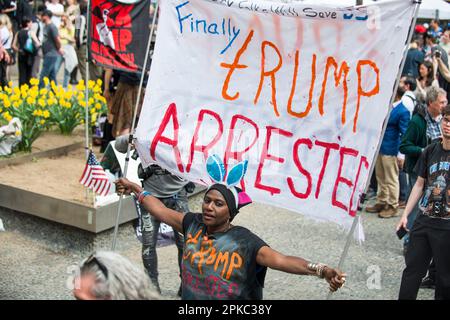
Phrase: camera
x=144 y=173
x=135 y=155
x=437 y=54
x=190 y=187
x=438 y=209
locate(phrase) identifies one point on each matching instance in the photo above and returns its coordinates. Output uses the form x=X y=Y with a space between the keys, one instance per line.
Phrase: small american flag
x=94 y=177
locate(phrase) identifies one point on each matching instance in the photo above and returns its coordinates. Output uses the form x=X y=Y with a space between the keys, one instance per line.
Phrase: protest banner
x=299 y=90
x=118 y=33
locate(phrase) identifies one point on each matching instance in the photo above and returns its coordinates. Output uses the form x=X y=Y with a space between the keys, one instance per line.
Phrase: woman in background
x=67 y=36
x=426 y=77
x=6 y=38
x=26 y=45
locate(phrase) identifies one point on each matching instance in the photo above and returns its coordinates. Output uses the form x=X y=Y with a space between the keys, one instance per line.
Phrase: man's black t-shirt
x=434 y=167
x=221 y=266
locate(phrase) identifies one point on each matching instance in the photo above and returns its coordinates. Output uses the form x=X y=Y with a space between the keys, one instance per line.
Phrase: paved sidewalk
x=30 y=270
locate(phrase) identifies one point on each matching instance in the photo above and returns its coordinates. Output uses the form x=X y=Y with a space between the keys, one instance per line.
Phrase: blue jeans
x=402 y=178
x=66 y=73
x=49 y=68
x=412 y=178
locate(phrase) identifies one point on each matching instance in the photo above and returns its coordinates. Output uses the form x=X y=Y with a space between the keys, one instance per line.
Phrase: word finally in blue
x=188 y=23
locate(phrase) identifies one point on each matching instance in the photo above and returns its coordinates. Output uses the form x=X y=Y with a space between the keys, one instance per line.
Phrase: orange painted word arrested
x=365 y=69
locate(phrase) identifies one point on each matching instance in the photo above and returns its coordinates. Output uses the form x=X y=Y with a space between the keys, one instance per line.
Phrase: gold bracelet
x=317 y=268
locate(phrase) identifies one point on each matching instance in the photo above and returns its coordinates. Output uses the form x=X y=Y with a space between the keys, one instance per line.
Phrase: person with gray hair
x=107 y=275
x=422 y=130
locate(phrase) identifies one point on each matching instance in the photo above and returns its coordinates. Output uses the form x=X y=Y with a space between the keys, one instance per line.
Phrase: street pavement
x=31 y=269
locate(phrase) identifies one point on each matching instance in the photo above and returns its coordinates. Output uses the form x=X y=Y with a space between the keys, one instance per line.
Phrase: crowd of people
x=412 y=167
x=39 y=39
x=411 y=172
x=42 y=39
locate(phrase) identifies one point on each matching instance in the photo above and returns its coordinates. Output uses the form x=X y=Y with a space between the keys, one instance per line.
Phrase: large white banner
x=299 y=90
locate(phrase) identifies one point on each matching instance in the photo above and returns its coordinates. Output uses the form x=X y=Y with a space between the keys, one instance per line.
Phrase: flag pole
x=86 y=92
x=357 y=218
x=127 y=158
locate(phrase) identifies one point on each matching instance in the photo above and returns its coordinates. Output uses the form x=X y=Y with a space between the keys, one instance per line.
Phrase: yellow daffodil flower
x=34 y=81
x=7 y=116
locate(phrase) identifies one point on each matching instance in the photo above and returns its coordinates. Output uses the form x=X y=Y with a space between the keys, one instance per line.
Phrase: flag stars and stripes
x=94 y=177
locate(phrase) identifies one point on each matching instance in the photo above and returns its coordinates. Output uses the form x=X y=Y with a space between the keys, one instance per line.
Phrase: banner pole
x=127 y=158
x=86 y=108
x=372 y=166
x=86 y=114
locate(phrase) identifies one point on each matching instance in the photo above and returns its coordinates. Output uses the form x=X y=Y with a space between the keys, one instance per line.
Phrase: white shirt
x=5 y=37
x=408 y=100
x=55 y=8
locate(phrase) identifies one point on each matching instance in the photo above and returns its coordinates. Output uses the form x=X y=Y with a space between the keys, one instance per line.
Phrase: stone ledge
x=64 y=150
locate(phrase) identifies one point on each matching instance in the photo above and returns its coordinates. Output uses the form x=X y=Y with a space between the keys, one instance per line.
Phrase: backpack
x=29 y=45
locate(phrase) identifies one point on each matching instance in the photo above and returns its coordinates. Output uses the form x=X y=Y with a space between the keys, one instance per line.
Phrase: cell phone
x=437 y=54
x=401 y=233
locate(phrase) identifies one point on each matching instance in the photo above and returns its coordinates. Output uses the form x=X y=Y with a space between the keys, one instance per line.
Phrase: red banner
x=119 y=33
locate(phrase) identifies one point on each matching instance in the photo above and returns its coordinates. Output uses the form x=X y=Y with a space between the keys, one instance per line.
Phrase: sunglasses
x=93 y=260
